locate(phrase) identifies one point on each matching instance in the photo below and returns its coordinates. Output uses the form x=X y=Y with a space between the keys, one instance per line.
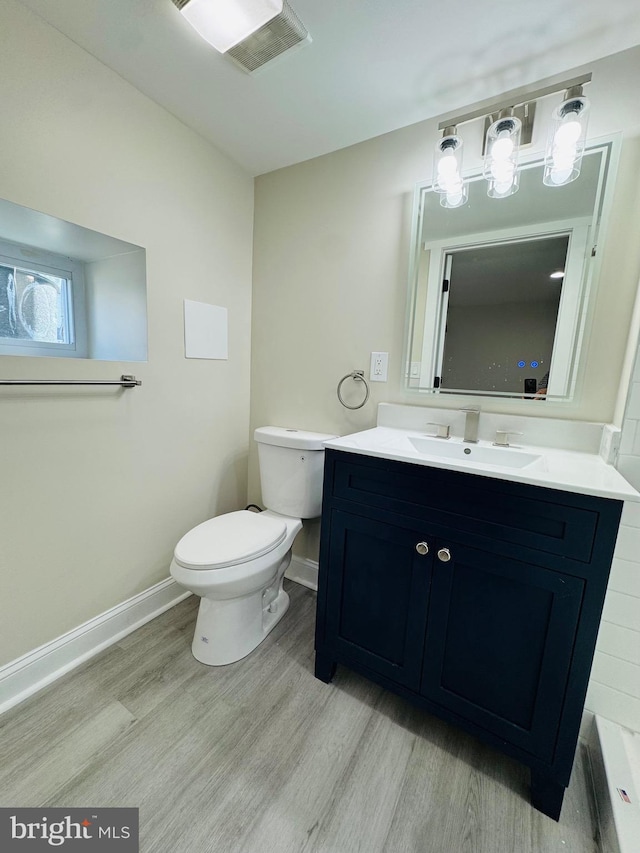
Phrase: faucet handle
x=502 y=437
x=442 y=430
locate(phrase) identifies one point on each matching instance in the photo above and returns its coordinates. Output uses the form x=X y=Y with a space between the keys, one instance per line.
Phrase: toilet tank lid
x=285 y=437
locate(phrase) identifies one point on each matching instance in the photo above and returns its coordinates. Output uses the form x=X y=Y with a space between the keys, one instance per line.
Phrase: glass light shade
x=504 y=185
x=565 y=145
x=456 y=195
x=501 y=157
x=225 y=23
x=447 y=170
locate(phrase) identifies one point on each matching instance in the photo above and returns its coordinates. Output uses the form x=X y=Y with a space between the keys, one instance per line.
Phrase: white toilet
x=236 y=562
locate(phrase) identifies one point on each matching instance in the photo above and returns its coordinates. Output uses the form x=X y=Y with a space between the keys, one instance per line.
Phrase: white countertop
x=567 y=470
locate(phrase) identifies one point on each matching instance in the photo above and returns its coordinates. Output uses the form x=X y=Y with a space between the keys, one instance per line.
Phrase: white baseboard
x=303 y=571
x=612 y=751
x=20 y=678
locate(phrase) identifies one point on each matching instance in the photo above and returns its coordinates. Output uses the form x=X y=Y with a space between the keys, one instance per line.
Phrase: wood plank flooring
x=261 y=757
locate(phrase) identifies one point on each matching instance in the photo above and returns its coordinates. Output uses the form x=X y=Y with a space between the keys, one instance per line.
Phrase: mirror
x=500 y=288
x=67 y=291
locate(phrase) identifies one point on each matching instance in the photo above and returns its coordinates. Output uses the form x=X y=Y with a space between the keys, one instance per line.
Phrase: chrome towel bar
x=125 y=381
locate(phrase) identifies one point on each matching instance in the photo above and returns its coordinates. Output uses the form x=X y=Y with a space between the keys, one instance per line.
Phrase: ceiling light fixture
x=447 y=169
x=225 y=23
x=509 y=124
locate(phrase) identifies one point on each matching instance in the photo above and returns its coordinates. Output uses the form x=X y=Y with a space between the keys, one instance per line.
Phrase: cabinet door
x=499 y=643
x=377 y=596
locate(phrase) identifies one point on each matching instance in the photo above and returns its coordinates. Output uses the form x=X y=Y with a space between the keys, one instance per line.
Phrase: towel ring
x=358 y=376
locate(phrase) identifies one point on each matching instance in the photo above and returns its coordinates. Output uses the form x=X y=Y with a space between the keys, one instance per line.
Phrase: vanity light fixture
x=225 y=23
x=557 y=274
x=501 y=157
x=509 y=125
x=447 y=169
x=567 y=138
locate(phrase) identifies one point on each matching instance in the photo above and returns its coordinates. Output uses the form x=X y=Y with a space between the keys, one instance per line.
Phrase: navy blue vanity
x=476 y=598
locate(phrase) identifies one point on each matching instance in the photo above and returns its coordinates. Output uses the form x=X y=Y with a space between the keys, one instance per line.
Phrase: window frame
x=27 y=257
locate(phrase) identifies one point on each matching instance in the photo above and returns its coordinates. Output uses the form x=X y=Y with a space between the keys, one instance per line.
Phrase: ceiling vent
x=277 y=36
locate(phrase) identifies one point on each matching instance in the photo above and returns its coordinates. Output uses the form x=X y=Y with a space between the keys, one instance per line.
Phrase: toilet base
x=227 y=631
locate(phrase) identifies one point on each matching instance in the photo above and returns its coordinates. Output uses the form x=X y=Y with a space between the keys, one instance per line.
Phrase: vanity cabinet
x=478 y=599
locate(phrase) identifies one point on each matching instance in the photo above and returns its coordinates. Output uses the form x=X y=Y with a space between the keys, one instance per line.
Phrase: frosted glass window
x=35 y=306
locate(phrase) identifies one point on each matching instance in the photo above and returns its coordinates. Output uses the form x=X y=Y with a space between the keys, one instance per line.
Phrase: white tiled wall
x=614 y=689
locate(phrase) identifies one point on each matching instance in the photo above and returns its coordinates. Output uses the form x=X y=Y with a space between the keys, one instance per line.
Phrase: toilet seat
x=228 y=540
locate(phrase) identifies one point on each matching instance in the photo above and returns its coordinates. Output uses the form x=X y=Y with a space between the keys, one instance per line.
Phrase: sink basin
x=504 y=457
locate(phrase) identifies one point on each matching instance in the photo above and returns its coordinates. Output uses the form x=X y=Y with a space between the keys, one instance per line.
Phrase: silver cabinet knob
x=444 y=554
x=422 y=548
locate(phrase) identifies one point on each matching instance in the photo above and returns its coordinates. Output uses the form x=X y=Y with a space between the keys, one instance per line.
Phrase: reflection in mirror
x=67 y=291
x=500 y=288
x=501 y=315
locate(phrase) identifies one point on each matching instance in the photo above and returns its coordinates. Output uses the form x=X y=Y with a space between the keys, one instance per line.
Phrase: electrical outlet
x=379 y=366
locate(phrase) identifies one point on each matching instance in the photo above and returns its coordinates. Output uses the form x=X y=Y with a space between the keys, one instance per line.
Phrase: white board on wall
x=206 y=332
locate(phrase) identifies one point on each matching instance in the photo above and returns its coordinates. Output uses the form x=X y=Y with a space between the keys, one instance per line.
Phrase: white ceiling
x=374 y=65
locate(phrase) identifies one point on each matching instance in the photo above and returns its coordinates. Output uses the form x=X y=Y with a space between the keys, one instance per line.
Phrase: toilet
x=236 y=562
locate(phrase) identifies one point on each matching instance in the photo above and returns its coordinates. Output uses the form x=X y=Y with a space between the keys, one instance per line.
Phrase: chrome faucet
x=471 y=425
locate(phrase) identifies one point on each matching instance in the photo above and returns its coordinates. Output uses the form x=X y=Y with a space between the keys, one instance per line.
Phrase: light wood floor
x=261 y=757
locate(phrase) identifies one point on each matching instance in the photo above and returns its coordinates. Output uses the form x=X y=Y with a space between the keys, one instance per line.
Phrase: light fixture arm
x=574 y=92
x=514 y=98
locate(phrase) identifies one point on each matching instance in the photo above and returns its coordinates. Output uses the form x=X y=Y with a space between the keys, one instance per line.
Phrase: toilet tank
x=291 y=470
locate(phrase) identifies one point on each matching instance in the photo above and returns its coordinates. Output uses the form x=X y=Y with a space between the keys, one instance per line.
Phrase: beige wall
x=98 y=485
x=331 y=250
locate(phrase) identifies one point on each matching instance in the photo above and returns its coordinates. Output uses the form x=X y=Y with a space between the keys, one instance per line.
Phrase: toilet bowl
x=236 y=562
